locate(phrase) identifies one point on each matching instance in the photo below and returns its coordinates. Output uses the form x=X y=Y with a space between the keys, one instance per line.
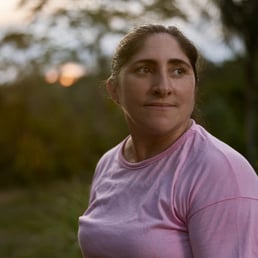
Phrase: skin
x=156 y=91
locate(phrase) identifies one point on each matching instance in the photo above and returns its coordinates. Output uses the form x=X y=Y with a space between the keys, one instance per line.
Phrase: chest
x=133 y=216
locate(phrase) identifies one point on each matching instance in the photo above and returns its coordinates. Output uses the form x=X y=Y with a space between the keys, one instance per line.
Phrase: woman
x=170 y=189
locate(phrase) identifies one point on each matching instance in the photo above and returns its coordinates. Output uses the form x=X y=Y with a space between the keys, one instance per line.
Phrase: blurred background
x=56 y=119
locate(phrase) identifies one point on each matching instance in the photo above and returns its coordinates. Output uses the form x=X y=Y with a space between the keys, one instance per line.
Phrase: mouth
x=159 y=105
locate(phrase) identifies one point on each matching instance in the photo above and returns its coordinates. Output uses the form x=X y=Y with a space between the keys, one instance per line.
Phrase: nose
x=161 y=85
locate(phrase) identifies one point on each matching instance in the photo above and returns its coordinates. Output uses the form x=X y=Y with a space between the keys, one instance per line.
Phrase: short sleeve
x=216 y=196
x=225 y=229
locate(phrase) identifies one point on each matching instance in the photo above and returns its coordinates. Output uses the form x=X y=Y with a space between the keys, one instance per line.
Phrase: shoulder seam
x=218 y=202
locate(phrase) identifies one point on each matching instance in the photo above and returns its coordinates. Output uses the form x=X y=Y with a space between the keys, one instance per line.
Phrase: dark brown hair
x=132 y=42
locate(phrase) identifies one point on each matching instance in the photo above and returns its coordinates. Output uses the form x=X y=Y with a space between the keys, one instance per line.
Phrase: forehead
x=160 y=47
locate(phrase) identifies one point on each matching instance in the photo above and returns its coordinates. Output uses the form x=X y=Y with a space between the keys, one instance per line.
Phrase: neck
x=141 y=146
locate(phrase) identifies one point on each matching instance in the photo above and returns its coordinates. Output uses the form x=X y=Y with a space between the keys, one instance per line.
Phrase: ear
x=112 y=90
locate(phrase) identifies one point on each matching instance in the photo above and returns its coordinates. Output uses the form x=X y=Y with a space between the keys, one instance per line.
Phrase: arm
x=226 y=229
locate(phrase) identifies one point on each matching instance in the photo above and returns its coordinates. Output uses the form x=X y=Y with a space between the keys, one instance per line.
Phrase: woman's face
x=156 y=88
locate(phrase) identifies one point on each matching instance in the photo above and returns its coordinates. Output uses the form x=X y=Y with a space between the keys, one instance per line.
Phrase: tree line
x=49 y=132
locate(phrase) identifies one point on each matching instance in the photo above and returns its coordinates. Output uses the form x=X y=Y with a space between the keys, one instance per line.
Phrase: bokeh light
x=66 y=75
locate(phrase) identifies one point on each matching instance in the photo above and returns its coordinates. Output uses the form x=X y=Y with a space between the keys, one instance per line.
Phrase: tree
x=239 y=19
x=50 y=132
x=77 y=30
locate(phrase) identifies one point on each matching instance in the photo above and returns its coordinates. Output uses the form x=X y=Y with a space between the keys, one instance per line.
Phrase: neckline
x=146 y=162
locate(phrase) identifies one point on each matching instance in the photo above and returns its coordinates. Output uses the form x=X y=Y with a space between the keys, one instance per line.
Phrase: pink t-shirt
x=198 y=198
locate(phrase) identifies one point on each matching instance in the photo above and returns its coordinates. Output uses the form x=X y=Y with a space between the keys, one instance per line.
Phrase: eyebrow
x=174 y=61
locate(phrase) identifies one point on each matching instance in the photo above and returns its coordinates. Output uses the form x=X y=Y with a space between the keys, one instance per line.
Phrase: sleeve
x=104 y=164
x=95 y=178
x=223 y=212
x=217 y=198
x=225 y=229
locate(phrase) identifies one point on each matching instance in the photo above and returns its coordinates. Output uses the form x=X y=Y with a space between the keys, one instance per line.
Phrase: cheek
x=188 y=92
x=192 y=96
x=187 y=98
x=129 y=89
x=125 y=95
x=191 y=89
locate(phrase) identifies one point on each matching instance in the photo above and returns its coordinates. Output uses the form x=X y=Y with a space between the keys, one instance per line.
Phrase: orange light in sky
x=67 y=74
x=51 y=76
x=67 y=81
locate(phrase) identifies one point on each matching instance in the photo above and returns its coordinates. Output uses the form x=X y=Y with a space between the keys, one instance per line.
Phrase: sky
x=8 y=13
x=209 y=41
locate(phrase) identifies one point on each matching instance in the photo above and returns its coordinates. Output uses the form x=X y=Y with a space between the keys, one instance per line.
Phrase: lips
x=159 y=105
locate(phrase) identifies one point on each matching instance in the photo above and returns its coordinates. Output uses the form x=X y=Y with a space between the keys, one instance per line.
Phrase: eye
x=178 y=72
x=145 y=69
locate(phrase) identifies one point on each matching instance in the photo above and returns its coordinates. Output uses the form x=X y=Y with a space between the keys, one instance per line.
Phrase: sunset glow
x=9 y=14
x=51 y=76
x=66 y=75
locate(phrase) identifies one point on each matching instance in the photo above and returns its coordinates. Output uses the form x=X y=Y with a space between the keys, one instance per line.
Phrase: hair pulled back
x=132 y=42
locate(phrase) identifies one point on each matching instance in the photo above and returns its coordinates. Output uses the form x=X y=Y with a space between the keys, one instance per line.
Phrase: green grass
x=42 y=222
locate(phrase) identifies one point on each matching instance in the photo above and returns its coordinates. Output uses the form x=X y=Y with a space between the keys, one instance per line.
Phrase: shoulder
x=213 y=172
x=108 y=159
x=218 y=157
x=103 y=167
